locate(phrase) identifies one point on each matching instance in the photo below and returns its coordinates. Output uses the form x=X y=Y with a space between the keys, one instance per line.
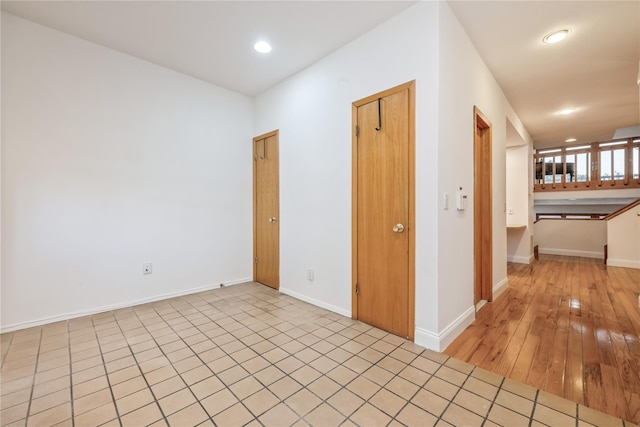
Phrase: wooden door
x=383 y=181
x=266 y=218
x=482 y=223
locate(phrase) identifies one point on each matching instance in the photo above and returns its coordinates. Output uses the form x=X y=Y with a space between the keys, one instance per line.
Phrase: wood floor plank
x=616 y=399
x=566 y=325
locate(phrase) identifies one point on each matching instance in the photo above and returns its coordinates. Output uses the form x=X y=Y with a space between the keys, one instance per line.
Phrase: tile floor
x=248 y=355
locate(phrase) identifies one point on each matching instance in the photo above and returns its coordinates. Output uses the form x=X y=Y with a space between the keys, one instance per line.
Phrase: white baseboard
x=519 y=259
x=627 y=263
x=316 y=302
x=427 y=339
x=117 y=306
x=500 y=287
x=571 y=252
x=438 y=342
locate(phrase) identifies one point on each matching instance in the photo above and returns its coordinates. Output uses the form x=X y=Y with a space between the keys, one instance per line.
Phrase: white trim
x=627 y=263
x=500 y=287
x=519 y=259
x=456 y=327
x=438 y=342
x=117 y=306
x=571 y=252
x=427 y=339
x=316 y=302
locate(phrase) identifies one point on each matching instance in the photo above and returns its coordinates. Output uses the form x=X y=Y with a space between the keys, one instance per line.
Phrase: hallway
x=569 y=326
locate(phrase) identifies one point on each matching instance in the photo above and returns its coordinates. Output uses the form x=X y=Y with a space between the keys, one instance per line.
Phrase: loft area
x=595 y=166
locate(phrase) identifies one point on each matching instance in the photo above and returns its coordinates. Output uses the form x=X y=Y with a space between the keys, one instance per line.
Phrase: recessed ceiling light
x=262 y=47
x=566 y=111
x=570 y=140
x=555 y=37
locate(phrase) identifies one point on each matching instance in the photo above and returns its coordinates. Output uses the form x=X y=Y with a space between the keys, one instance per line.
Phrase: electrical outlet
x=147 y=268
x=310 y=275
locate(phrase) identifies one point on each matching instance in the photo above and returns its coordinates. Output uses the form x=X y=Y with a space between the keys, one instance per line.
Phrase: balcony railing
x=600 y=165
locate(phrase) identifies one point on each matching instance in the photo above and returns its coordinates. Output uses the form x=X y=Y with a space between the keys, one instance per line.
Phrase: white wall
x=571 y=237
x=517 y=185
x=108 y=162
x=465 y=81
x=313 y=112
x=623 y=239
x=518 y=204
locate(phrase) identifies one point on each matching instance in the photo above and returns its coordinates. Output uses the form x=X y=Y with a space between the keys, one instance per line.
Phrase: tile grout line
x=142 y=374
x=533 y=409
x=306 y=364
x=255 y=417
x=4 y=357
x=415 y=356
x=301 y=417
x=33 y=383
x=493 y=400
x=365 y=401
x=287 y=375
x=73 y=418
x=106 y=373
x=408 y=400
x=203 y=362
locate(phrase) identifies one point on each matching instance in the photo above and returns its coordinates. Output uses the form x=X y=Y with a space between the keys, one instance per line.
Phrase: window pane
x=636 y=162
x=548 y=170
x=605 y=165
x=559 y=169
x=583 y=167
x=570 y=161
x=618 y=164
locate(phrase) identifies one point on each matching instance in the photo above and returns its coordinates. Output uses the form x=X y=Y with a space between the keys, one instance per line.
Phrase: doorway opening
x=482 y=211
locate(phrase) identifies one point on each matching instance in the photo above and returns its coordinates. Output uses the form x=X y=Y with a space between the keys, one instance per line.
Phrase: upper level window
x=612 y=164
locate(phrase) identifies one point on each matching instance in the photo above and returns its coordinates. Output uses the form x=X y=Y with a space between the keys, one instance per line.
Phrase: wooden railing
x=622 y=210
x=595 y=166
x=564 y=215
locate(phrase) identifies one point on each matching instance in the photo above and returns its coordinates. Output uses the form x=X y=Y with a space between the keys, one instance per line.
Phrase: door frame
x=411 y=86
x=482 y=216
x=275 y=133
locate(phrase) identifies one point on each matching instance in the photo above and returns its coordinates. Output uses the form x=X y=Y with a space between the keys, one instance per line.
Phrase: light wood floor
x=566 y=325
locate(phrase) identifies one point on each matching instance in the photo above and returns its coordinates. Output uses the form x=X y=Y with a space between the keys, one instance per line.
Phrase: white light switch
x=445 y=201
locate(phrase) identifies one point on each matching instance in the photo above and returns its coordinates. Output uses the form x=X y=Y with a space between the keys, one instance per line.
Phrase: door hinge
x=357 y=130
x=255 y=260
x=357 y=289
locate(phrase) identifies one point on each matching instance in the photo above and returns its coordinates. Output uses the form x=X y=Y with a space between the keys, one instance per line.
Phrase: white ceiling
x=213 y=40
x=594 y=70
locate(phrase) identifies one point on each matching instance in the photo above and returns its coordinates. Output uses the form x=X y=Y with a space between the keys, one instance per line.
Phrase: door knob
x=398 y=228
x=273 y=219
